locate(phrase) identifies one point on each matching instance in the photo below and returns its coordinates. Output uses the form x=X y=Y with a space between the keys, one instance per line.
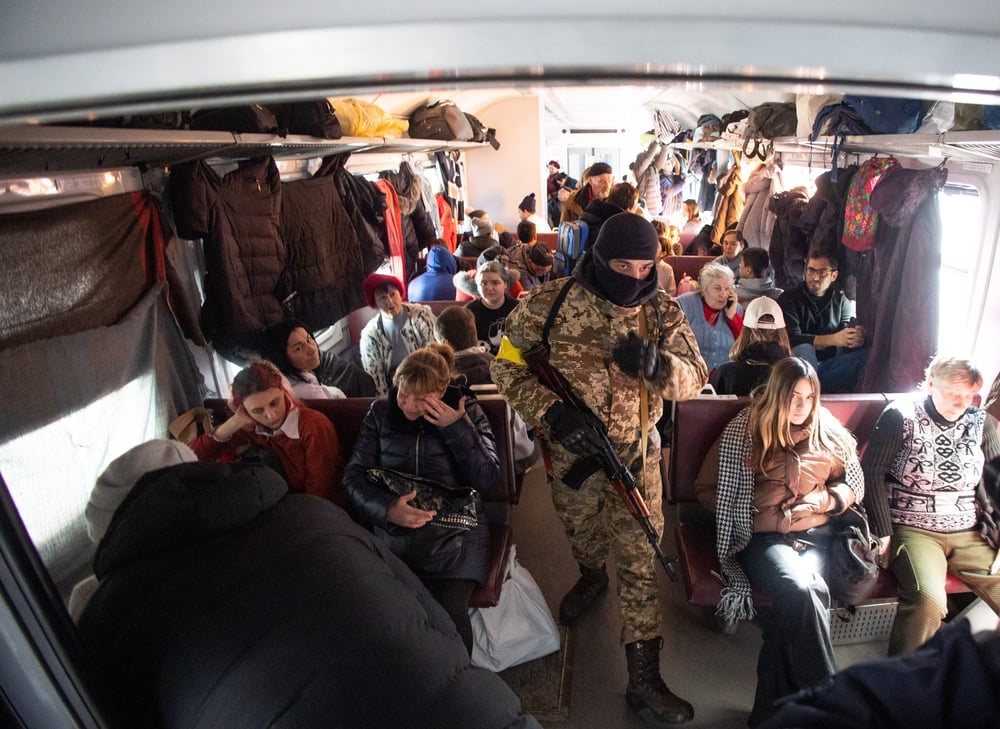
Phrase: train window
x=961 y=221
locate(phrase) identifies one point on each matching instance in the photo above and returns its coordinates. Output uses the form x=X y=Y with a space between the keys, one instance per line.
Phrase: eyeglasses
x=819 y=272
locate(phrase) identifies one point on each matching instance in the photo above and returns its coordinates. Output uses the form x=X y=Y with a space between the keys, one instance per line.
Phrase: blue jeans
x=840 y=372
x=797 y=651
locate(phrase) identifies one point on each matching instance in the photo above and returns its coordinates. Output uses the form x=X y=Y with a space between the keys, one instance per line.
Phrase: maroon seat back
x=697 y=424
x=549 y=239
x=690 y=265
x=348 y=414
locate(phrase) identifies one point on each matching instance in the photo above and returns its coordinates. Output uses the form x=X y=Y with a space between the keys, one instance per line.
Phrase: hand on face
x=440 y=413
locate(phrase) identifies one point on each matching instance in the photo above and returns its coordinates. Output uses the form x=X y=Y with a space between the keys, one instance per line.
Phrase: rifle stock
x=537 y=359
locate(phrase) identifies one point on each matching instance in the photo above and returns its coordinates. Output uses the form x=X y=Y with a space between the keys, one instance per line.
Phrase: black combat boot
x=646 y=694
x=581 y=596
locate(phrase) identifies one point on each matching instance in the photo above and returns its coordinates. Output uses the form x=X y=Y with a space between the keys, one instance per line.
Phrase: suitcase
x=440 y=120
x=571 y=243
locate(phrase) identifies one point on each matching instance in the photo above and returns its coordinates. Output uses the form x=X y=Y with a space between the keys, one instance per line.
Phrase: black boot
x=646 y=694
x=581 y=596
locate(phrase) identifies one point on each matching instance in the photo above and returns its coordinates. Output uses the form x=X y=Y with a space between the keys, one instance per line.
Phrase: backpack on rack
x=482 y=133
x=440 y=120
x=571 y=243
x=838 y=120
x=310 y=118
x=766 y=122
x=249 y=119
x=885 y=115
x=734 y=125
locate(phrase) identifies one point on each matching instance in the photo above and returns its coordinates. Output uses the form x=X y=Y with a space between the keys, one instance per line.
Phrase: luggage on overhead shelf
x=482 y=133
x=440 y=120
x=838 y=120
x=364 y=119
x=991 y=117
x=310 y=118
x=247 y=119
x=885 y=115
x=766 y=122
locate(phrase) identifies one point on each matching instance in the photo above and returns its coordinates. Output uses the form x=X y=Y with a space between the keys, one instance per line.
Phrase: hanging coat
x=901 y=318
x=324 y=252
x=757 y=220
x=416 y=226
x=238 y=217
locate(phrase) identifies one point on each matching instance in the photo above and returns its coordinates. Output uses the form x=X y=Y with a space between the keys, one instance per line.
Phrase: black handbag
x=437 y=546
x=851 y=571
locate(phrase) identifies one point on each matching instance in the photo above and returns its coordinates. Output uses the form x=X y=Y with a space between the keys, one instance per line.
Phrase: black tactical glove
x=639 y=358
x=569 y=426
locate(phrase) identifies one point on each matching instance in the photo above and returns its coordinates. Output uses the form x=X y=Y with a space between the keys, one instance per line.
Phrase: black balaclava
x=625 y=235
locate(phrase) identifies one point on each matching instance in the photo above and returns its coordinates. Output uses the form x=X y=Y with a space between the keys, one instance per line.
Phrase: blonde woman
x=427 y=426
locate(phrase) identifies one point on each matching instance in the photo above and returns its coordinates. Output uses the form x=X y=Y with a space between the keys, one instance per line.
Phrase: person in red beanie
x=399 y=328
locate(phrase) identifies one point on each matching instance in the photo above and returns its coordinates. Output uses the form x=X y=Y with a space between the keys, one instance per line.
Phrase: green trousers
x=921 y=560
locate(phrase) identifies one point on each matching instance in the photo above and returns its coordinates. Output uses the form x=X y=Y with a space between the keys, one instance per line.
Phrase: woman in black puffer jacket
x=432 y=429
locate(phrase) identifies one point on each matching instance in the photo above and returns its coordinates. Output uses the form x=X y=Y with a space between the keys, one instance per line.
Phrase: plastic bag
x=365 y=119
x=519 y=628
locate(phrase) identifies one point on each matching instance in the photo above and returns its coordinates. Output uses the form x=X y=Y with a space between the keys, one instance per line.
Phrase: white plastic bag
x=519 y=628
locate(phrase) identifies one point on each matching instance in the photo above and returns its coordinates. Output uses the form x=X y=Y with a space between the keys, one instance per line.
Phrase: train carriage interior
x=101 y=289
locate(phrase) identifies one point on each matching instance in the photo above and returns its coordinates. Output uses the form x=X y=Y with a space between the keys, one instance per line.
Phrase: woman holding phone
x=715 y=315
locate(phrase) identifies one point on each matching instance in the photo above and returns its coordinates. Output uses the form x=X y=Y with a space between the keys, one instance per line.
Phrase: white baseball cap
x=764 y=313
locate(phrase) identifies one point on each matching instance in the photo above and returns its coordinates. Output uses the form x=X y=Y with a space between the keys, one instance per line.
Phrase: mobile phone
x=853 y=322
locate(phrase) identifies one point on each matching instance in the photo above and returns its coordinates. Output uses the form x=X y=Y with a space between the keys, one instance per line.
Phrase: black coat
x=750 y=370
x=225 y=603
x=238 y=216
x=462 y=454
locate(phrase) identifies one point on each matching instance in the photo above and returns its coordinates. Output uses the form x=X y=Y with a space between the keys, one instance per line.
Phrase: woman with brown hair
x=786 y=465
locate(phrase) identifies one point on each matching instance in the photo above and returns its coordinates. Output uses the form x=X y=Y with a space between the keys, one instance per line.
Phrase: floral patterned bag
x=860 y=220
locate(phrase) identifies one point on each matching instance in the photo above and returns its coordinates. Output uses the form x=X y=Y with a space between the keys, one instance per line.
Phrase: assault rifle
x=537 y=359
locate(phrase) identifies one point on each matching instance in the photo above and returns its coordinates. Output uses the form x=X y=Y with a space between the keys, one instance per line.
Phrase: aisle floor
x=715 y=672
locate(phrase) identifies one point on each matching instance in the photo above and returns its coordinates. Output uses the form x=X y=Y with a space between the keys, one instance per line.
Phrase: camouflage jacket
x=585 y=331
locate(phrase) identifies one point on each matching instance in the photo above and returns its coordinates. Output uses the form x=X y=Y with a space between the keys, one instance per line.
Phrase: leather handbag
x=851 y=571
x=437 y=546
x=455 y=505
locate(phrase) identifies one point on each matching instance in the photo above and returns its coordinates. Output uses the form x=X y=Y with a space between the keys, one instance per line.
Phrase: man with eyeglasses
x=822 y=327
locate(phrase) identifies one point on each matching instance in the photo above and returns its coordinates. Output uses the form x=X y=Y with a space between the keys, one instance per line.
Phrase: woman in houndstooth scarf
x=785 y=466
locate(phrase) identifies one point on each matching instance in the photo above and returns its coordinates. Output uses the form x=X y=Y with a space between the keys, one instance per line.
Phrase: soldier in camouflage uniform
x=624 y=346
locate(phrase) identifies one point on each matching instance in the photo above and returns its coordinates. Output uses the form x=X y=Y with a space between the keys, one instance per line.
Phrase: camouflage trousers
x=598 y=524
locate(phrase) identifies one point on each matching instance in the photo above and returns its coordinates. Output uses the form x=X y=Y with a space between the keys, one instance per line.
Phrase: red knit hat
x=374 y=281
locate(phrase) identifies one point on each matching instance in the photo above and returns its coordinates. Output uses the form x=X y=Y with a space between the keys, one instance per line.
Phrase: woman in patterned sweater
x=923 y=466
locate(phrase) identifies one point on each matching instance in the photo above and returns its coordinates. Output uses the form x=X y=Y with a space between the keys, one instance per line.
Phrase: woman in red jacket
x=268 y=415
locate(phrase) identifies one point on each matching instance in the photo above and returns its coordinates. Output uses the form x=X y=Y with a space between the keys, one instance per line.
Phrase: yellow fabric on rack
x=364 y=119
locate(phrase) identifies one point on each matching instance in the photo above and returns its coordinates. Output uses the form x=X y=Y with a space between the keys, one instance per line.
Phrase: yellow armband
x=510 y=353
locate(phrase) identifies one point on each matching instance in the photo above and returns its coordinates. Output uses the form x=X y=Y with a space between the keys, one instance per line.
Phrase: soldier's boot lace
x=647 y=694
x=582 y=595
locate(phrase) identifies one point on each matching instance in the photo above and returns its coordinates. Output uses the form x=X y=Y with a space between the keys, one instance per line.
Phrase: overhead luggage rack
x=972 y=146
x=34 y=150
